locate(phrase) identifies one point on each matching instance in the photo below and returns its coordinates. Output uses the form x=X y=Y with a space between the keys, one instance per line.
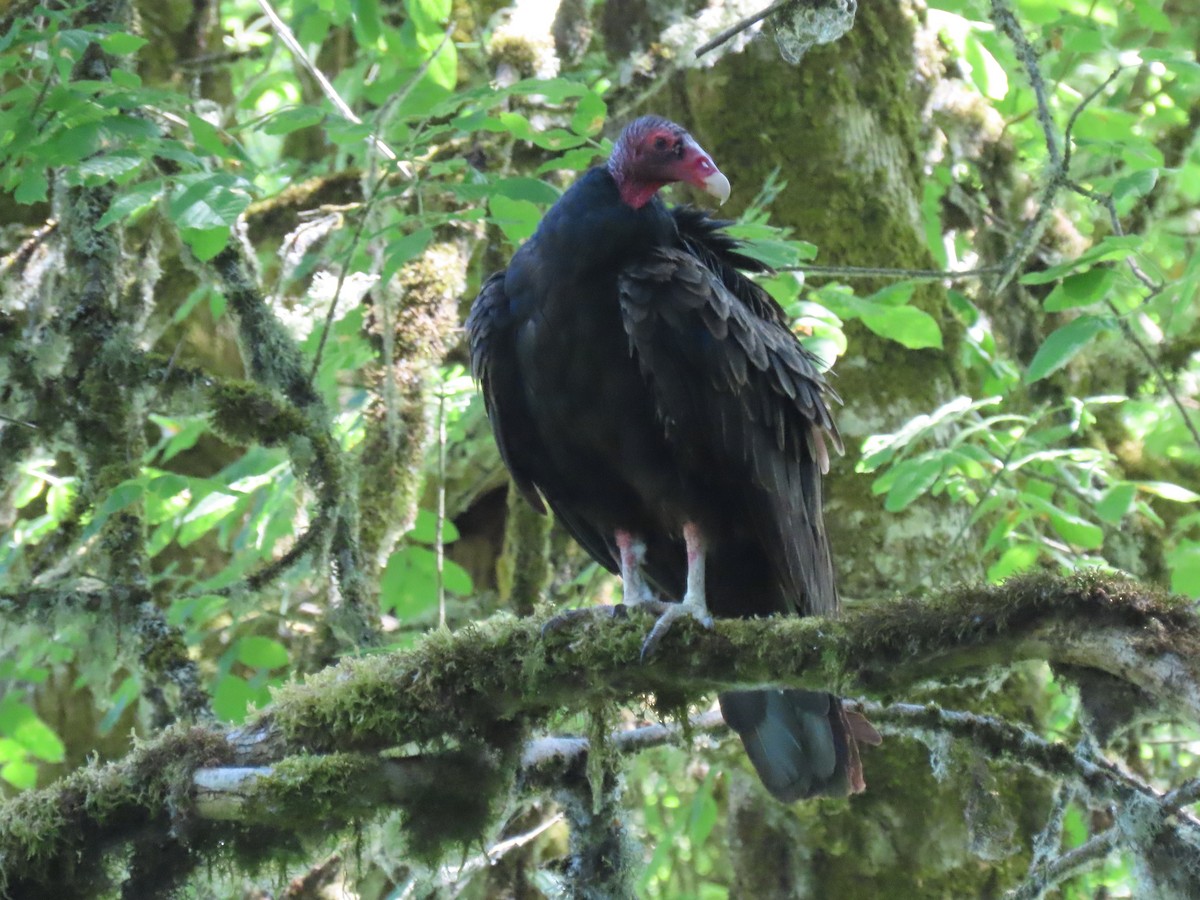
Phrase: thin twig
x=345 y=269
x=400 y=97
x=25 y=249
x=451 y=874
x=440 y=525
x=22 y=423
x=1024 y=243
x=1088 y=854
x=1006 y=21
x=886 y=272
x=1074 y=117
x=327 y=88
x=734 y=30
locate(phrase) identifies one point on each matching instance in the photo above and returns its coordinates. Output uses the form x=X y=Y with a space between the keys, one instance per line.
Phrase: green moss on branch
x=476 y=693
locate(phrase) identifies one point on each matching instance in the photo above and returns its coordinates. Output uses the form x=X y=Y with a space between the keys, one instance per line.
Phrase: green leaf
x=884 y=314
x=60 y=497
x=261 y=652
x=772 y=246
x=28 y=489
x=195 y=610
x=209 y=203
x=896 y=294
x=428 y=14
x=123 y=495
x=1070 y=527
x=205 y=243
x=1184 y=563
x=38 y=738
x=207 y=513
x=912 y=478
x=987 y=74
x=366 y=20
x=124 y=79
x=179 y=434
x=1061 y=346
x=132 y=202
x=1016 y=559
x=20 y=773
x=232 y=698
x=532 y=189
x=408 y=586
x=572 y=161
x=1168 y=491
x=288 y=120
x=555 y=90
x=33 y=186
x=455 y=578
x=1112 y=247
x=1077 y=531
x=208 y=137
x=1150 y=14
x=1116 y=502
x=121 y=44
x=522 y=129
x=518 y=219
x=589 y=116
x=1136 y=184
x=129 y=690
x=906 y=325
x=403 y=249
x=1080 y=289
x=105 y=168
x=424 y=529
x=342 y=131
x=704 y=813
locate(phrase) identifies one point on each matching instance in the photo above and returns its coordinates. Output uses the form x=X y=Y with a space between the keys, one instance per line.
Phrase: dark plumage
x=656 y=399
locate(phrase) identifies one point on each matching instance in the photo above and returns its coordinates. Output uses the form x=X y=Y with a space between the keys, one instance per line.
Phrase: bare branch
x=738 y=27
x=885 y=272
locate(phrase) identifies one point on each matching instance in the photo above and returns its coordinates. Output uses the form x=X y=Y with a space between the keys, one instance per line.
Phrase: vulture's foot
x=668 y=613
x=571 y=616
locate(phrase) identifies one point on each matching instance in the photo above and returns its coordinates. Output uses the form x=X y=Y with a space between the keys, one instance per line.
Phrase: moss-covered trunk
x=844 y=128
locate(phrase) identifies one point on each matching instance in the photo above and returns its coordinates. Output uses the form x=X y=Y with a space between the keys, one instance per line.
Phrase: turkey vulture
x=655 y=398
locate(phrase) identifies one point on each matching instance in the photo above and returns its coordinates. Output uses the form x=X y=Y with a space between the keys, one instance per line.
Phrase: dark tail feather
x=802 y=743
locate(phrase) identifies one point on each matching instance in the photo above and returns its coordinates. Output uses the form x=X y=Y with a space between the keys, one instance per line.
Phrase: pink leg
x=694 y=604
x=696 y=546
x=632 y=552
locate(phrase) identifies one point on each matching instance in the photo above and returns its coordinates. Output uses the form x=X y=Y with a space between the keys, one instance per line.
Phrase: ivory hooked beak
x=717 y=185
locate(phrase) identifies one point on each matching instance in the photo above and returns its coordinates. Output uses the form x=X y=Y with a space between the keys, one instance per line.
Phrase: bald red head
x=652 y=152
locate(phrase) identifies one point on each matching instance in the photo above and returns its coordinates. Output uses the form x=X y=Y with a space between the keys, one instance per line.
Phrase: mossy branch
x=480 y=690
x=502 y=668
x=275 y=362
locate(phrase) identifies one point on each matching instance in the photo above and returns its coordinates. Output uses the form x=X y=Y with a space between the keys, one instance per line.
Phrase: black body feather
x=637 y=380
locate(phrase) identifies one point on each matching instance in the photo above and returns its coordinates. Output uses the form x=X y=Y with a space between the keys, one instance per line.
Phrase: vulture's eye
x=660 y=143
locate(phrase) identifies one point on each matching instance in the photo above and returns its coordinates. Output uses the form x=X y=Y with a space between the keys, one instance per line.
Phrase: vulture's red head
x=652 y=152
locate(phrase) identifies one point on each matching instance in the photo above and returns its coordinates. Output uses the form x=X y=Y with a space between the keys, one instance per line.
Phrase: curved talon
x=672 y=612
x=568 y=616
